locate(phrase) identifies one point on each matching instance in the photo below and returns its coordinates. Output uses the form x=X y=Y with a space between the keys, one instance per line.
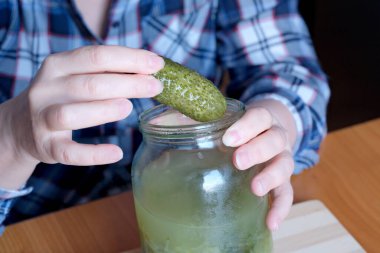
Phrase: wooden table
x=347 y=181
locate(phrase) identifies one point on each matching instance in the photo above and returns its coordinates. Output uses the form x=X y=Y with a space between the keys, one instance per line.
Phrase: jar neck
x=190 y=140
x=199 y=132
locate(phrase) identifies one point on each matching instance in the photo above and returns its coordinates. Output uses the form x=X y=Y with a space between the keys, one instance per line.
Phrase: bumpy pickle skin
x=190 y=93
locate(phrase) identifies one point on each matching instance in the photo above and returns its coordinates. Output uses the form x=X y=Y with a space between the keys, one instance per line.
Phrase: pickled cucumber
x=190 y=93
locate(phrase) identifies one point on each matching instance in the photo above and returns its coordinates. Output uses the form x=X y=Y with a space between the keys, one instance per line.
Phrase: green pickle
x=190 y=93
x=186 y=206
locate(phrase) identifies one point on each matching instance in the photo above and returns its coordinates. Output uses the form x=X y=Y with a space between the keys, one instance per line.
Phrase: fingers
x=260 y=149
x=254 y=121
x=72 y=153
x=86 y=114
x=106 y=86
x=276 y=178
x=282 y=202
x=278 y=171
x=81 y=88
x=99 y=59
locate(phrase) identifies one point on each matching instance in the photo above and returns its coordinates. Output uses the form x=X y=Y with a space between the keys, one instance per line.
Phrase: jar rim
x=234 y=111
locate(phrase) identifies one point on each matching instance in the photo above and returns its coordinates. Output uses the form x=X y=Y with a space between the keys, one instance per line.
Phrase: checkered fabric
x=263 y=44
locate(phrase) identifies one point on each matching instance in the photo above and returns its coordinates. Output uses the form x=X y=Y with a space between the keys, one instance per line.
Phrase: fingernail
x=125 y=107
x=260 y=188
x=275 y=226
x=156 y=86
x=230 y=138
x=241 y=160
x=156 y=62
x=116 y=155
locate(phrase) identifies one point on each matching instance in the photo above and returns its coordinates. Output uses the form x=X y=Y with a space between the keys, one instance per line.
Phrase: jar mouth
x=234 y=111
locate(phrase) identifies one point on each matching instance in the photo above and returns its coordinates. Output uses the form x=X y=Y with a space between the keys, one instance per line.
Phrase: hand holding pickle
x=72 y=90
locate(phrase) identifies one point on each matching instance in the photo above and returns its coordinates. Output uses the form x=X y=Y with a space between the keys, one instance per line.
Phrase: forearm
x=15 y=165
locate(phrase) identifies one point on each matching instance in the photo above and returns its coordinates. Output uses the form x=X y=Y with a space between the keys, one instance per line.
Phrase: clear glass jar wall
x=189 y=197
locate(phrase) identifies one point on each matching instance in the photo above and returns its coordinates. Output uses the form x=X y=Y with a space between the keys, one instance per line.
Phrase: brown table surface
x=347 y=181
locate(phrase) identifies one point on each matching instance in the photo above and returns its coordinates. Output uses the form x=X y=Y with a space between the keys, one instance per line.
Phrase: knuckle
x=36 y=90
x=61 y=117
x=258 y=154
x=95 y=159
x=278 y=140
x=289 y=191
x=61 y=155
x=83 y=86
x=90 y=86
x=96 y=55
x=49 y=61
x=45 y=150
x=73 y=89
x=50 y=65
x=33 y=92
x=55 y=152
x=66 y=158
x=288 y=164
x=264 y=115
x=276 y=177
x=280 y=171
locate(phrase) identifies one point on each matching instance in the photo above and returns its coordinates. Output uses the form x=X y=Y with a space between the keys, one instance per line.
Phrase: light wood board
x=311 y=228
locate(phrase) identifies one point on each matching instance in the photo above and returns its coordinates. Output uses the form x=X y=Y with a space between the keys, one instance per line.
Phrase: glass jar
x=189 y=197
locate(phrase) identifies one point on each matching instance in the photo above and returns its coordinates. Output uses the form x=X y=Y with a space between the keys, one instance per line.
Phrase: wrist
x=16 y=165
x=15 y=173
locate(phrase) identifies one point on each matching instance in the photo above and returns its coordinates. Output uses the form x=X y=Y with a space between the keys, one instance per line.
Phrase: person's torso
x=181 y=30
x=184 y=31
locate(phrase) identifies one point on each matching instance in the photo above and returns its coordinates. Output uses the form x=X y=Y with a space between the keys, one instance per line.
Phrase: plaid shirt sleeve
x=268 y=52
x=5 y=207
x=6 y=201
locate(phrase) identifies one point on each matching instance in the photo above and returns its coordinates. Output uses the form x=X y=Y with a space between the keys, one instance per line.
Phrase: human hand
x=77 y=89
x=261 y=137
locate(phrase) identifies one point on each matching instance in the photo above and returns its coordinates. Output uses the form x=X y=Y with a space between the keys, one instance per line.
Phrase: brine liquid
x=191 y=202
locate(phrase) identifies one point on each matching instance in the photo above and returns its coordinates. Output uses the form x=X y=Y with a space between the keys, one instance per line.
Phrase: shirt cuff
x=6 y=200
x=5 y=207
x=10 y=194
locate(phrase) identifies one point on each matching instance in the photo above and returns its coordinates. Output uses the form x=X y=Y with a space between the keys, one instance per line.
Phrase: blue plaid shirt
x=263 y=44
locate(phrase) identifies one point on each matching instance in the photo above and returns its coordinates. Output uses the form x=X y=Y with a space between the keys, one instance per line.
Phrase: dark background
x=346 y=36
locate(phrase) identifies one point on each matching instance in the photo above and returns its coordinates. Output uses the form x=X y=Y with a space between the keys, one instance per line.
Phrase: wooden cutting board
x=310 y=228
